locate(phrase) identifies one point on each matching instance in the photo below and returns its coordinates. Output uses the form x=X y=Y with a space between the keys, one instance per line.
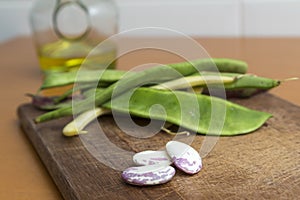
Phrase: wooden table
x=23 y=175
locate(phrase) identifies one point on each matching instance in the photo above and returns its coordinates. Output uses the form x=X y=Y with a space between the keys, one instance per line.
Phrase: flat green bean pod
x=87 y=76
x=110 y=76
x=222 y=65
x=238 y=119
x=245 y=85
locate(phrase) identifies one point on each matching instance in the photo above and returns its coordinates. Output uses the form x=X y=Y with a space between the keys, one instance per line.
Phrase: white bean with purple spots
x=184 y=157
x=152 y=158
x=148 y=175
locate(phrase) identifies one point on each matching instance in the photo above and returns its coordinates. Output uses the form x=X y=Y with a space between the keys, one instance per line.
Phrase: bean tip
x=290 y=79
x=37 y=120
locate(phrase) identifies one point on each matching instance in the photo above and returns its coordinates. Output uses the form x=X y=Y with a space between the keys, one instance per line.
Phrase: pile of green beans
x=112 y=83
x=165 y=72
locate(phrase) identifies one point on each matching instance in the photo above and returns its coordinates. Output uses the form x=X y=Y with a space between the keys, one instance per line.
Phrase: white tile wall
x=233 y=18
x=271 y=18
x=205 y=18
x=14 y=18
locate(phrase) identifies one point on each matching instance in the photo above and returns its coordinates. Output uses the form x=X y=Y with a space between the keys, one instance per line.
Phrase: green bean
x=154 y=74
x=86 y=76
x=111 y=76
x=76 y=126
x=252 y=81
x=222 y=65
x=238 y=119
x=194 y=81
x=245 y=85
x=64 y=96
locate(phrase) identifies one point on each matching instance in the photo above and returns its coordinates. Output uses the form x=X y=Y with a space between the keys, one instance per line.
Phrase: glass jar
x=66 y=31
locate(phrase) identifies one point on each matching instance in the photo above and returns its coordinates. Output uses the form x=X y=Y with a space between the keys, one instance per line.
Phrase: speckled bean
x=184 y=157
x=152 y=158
x=148 y=175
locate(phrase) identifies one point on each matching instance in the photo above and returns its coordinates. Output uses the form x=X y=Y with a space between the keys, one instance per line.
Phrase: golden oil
x=66 y=55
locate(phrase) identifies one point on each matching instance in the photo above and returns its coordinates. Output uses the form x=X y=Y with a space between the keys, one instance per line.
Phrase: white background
x=204 y=18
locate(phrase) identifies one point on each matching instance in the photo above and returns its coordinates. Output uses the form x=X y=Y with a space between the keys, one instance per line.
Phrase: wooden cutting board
x=262 y=165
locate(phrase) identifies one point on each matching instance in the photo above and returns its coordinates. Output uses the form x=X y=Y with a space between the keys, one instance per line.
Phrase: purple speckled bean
x=184 y=157
x=148 y=175
x=152 y=158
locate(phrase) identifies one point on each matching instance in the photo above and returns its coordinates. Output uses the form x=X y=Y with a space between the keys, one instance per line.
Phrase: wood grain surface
x=264 y=164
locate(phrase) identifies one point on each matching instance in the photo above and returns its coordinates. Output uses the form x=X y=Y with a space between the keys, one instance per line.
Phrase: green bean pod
x=110 y=76
x=246 y=85
x=217 y=65
x=237 y=120
x=87 y=76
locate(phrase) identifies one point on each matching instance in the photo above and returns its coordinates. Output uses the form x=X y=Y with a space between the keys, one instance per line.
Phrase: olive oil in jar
x=64 y=55
x=69 y=34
